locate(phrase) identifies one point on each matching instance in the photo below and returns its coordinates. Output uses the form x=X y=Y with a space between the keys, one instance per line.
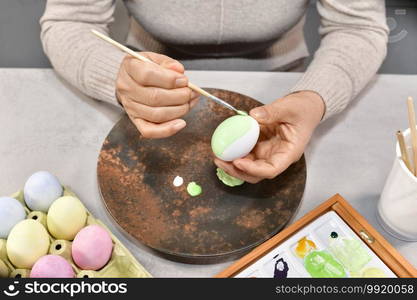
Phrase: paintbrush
x=403 y=149
x=413 y=131
x=190 y=85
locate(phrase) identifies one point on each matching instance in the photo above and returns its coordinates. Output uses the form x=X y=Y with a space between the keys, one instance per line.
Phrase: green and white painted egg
x=235 y=137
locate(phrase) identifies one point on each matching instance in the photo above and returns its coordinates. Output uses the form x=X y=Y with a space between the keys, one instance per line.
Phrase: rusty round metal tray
x=135 y=179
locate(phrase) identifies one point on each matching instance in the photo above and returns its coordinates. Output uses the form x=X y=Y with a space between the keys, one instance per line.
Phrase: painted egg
x=235 y=137
x=40 y=190
x=11 y=213
x=52 y=266
x=27 y=242
x=66 y=216
x=92 y=248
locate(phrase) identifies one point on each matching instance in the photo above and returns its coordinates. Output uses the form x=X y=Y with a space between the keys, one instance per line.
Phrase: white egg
x=11 y=213
x=235 y=137
x=41 y=189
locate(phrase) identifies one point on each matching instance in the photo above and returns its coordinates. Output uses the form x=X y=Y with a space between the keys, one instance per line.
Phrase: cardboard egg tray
x=121 y=264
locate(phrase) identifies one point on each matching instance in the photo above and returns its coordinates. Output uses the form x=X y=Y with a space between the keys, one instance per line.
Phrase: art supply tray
x=333 y=234
x=121 y=264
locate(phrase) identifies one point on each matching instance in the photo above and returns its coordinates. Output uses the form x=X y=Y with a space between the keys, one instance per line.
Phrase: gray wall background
x=20 y=46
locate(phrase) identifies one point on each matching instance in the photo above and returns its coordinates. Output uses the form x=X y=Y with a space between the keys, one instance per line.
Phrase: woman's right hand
x=155 y=96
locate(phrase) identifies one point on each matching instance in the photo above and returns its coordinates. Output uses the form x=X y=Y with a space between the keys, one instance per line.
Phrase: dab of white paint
x=178 y=181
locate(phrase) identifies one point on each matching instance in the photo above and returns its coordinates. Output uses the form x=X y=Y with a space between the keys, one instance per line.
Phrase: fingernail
x=194 y=94
x=171 y=65
x=181 y=82
x=179 y=125
x=176 y=66
x=259 y=113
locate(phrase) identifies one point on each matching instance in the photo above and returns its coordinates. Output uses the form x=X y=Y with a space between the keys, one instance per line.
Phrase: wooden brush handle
x=403 y=149
x=413 y=131
x=144 y=59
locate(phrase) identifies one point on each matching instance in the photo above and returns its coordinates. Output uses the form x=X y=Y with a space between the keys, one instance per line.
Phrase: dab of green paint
x=350 y=252
x=229 y=131
x=227 y=179
x=321 y=264
x=242 y=113
x=194 y=189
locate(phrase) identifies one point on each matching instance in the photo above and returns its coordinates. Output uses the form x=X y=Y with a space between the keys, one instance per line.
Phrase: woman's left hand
x=286 y=127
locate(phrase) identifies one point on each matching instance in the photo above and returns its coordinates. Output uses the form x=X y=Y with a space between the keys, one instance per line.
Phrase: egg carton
x=121 y=264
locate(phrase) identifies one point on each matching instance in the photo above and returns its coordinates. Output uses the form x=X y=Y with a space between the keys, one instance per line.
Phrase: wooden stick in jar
x=413 y=131
x=404 y=153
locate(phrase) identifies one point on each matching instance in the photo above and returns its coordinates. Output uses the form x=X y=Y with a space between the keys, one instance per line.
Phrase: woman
x=220 y=34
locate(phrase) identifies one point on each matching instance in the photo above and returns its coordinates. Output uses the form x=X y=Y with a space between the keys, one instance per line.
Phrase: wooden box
x=375 y=241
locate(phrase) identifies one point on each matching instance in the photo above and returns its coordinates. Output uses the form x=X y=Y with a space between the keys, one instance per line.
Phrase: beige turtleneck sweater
x=222 y=34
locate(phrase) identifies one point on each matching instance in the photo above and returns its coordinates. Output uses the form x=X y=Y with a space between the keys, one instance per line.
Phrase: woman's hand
x=286 y=127
x=155 y=96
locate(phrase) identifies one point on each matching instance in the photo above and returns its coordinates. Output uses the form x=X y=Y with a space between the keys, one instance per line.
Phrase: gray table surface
x=47 y=125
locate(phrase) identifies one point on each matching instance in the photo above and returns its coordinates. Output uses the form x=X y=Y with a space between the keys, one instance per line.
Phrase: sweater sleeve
x=87 y=62
x=353 y=45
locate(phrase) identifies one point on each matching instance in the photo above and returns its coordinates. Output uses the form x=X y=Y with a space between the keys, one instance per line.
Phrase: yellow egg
x=27 y=242
x=66 y=217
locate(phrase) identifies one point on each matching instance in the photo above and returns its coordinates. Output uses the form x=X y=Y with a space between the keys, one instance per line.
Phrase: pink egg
x=52 y=266
x=92 y=247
